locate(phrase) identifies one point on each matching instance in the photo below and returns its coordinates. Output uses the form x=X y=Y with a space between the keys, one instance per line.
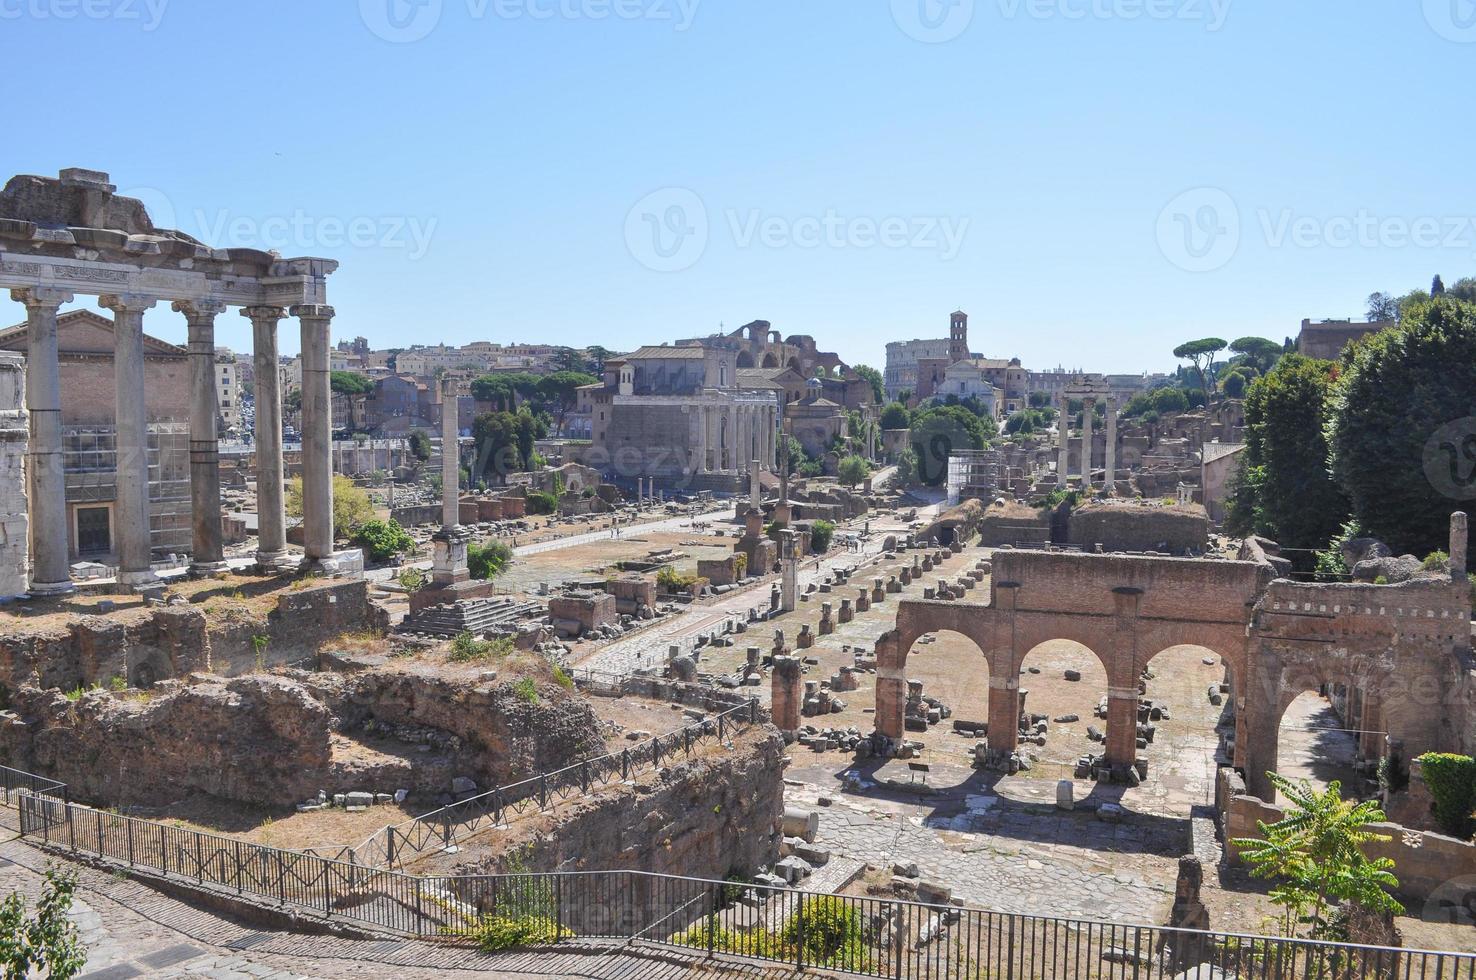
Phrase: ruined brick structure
x=1398 y=652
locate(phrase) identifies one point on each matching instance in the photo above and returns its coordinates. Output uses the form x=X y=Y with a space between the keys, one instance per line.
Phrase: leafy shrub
x=47 y=941
x=1436 y=561
x=821 y=533
x=466 y=648
x=1452 y=782
x=830 y=932
x=382 y=540
x=412 y=579
x=542 y=503
x=853 y=470
x=562 y=678
x=496 y=933
x=487 y=561
x=670 y=580
x=526 y=690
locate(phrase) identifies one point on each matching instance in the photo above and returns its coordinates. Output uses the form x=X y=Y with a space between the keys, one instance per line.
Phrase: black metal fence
x=452 y=825
x=873 y=937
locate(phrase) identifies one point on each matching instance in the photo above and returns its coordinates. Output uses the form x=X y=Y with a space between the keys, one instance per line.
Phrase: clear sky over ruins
x=1093 y=180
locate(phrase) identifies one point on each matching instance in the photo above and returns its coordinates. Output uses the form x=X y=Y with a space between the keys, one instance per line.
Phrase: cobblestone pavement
x=130 y=930
x=1006 y=859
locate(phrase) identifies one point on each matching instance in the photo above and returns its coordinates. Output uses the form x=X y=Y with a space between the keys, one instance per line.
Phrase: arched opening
x=946 y=670
x=1192 y=735
x=1314 y=743
x=745 y=359
x=1063 y=705
x=794 y=362
x=770 y=361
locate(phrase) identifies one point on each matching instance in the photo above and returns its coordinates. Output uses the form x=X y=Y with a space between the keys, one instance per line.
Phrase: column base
x=138 y=581
x=209 y=569
x=276 y=562
x=46 y=590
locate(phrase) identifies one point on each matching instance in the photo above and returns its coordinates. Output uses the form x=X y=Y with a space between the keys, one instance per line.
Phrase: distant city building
x=1326 y=339
x=905 y=357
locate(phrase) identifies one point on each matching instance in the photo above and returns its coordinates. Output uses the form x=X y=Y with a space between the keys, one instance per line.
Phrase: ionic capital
x=41 y=297
x=126 y=303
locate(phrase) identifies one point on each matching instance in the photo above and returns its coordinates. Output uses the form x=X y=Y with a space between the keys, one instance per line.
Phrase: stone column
x=271 y=511
x=45 y=476
x=1109 y=479
x=786 y=681
x=131 y=504
x=755 y=488
x=697 y=436
x=450 y=456
x=1088 y=416
x=1458 y=545
x=317 y=436
x=208 y=556
x=1063 y=423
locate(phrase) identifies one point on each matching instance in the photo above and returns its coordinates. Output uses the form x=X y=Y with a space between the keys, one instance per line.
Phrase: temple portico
x=66 y=238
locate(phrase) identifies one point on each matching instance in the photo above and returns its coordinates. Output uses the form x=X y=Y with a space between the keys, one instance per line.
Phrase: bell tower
x=958 y=337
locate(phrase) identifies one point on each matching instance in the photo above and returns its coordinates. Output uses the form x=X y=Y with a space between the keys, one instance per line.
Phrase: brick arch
x=1226 y=642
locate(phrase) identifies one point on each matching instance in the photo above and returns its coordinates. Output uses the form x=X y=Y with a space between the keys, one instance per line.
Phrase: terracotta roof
x=667 y=353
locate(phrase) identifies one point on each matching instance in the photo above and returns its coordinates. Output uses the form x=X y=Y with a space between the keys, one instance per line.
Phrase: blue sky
x=1093 y=180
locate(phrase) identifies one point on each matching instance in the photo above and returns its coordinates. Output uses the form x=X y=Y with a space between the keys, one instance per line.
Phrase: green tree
x=896 y=416
x=46 y=940
x=382 y=540
x=560 y=391
x=487 y=561
x=853 y=470
x=878 y=387
x=567 y=359
x=941 y=431
x=821 y=533
x=1170 y=401
x=1201 y=357
x=1316 y=854
x=420 y=445
x=597 y=357
x=1394 y=451
x=1381 y=307
x=1258 y=352
x=1437 y=287
x=351 y=505
x=349 y=383
x=1039 y=399
x=1233 y=384
x=503 y=390
x=1286 y=492
x=505 y=442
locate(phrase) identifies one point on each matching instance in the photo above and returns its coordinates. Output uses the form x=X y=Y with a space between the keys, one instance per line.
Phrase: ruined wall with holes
x=1401 y=652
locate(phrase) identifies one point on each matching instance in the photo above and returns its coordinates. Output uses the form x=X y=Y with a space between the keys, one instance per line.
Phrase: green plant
x=1056 y=498
x=1316 y=854
x=829 y=930
x=526 y=690
x=562 y=678
x=382 y=540
x=1452 y=782
x=351 y=505
x=542 y=503
x=821 y=533
x=487 y=561
x=75 y=694
x=669 y=580
x=1436 y=561
x=46 y=940
x=466 y=648
x=412 y=579
x=853 y=470
x=118 y=683
x=259 y=647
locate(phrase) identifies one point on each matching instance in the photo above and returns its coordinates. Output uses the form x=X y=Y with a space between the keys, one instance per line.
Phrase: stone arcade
x=72 y=236
x=1396 y=652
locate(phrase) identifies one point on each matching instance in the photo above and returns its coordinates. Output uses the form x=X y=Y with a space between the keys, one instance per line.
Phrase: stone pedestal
x=449 y=564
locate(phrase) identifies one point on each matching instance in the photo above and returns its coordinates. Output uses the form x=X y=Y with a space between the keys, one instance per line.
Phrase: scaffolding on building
x=975 y=475
x=90 y=464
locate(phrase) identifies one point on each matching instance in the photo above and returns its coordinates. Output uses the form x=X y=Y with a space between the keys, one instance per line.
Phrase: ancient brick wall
x=1173 y=530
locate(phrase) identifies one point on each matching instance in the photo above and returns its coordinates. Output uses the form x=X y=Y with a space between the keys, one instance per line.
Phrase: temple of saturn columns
x=1088 y=390
x=72 y=238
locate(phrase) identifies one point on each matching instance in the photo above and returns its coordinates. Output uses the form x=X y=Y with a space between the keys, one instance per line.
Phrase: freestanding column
x=1088 y=411
x=1458 y=546
x=699 y=438
x=271 y=511
x=46 y=477
x=1063 y=424
x=131 y=505
x=1109 y=479
x=317 y=436
x=209 y=551
x=450 y=565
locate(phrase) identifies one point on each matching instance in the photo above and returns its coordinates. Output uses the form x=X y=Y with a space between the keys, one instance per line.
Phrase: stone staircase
x=475 y=616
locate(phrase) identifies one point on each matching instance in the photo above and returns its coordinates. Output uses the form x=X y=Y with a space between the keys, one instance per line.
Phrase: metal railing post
x=799 y=932
x=558 y=908
x=128 y=824
x=712 y=919
x=419 y=913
